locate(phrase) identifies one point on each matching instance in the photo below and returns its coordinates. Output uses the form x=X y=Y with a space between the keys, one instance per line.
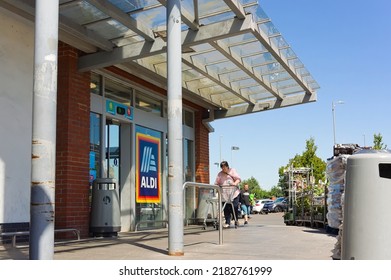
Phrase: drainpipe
x=175 y=135
x=43 y=160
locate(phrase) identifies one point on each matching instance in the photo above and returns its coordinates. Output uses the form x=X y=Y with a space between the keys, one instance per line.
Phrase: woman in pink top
x=229 y=177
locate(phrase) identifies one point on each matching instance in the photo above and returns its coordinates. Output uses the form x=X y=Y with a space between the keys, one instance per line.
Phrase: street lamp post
x=233 y=148
x=220 y=147
x=333 y=104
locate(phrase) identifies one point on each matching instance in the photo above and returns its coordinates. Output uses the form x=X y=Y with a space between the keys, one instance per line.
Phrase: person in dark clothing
x=245 y=202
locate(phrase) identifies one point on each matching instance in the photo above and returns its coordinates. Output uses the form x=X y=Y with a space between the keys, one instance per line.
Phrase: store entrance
x=112 y=159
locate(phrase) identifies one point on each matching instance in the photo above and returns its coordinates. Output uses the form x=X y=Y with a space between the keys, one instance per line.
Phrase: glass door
x=112 y=149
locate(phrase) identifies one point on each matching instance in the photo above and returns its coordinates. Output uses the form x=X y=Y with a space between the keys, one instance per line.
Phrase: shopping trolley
x=211 y=203
x=227 y=197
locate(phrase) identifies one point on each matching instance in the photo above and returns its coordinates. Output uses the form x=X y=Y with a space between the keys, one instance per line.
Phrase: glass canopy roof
x=234 y=60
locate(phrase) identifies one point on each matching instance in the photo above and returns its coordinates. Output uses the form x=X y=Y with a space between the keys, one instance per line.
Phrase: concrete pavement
x=266 y=237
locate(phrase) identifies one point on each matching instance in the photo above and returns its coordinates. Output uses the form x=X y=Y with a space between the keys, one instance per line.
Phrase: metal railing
x=14 y=234
x=207 y=186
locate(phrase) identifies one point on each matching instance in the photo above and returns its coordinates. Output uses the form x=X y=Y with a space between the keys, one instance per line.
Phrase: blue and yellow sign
x=148 y=181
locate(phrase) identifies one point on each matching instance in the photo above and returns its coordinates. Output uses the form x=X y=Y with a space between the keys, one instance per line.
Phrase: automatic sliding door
x=112 y=162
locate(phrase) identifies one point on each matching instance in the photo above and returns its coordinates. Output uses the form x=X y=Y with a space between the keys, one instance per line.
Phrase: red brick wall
x=73 y=127
x=201 y=149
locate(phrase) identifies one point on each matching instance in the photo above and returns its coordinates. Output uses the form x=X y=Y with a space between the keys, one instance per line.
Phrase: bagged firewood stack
x=335 y=171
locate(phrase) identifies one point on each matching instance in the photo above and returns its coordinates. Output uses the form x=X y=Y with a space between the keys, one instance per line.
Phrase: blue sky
x=346 y=46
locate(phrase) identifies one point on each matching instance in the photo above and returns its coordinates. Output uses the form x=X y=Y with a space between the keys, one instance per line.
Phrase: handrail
x=208 y=186
x=13 y=234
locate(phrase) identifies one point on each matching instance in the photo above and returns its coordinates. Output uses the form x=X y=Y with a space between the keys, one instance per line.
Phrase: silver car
x=280 y=205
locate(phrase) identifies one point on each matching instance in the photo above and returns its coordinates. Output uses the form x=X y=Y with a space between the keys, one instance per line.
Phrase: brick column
x=201 y=149
x=72 y=154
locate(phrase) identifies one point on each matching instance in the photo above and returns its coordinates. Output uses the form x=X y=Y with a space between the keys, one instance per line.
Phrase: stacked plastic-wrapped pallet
x=336 y=169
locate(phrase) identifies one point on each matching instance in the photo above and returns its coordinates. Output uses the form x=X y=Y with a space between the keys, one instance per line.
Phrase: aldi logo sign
x=148 y=182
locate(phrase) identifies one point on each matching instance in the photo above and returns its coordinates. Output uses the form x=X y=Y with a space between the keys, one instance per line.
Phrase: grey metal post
x=43 y=160
x=175 y=135
x=333 y=104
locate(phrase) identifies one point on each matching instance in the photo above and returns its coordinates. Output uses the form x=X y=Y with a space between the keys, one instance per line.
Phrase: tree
x=307 y=159
x=252 y=183
x=377 y=142
x=276 y=192
x=254 y=187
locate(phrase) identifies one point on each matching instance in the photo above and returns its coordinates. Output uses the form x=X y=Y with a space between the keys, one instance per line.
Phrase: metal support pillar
x=175 y=135
x=43 y=160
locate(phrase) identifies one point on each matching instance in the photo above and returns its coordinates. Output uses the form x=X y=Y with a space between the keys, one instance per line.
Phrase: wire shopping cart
x=227 y=197
x=210 y=213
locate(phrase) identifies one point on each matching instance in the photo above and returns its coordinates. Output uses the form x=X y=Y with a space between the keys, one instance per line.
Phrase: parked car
x=280 y=205
x=259 y=203
x=268 y=207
